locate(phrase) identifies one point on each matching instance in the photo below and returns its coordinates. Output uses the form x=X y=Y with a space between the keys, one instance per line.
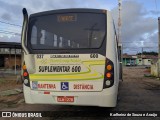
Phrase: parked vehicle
x=128 y=64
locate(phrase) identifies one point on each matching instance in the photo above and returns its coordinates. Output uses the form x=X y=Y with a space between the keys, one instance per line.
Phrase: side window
x=77 y=45
x=42 y=39
x=69 y=43
x=65 y=43
x=55 y=40
x=49 y=39
x=60 y=42
x=96 y=36
x=72 y=44
x=34 y=35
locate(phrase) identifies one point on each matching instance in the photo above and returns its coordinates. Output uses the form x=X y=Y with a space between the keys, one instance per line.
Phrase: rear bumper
x=105 y=98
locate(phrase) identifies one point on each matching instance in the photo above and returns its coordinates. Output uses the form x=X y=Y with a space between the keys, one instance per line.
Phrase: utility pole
x=142 y=56
x=120 y=49
x=15 y=60
x=159 y=47
x=119 y=21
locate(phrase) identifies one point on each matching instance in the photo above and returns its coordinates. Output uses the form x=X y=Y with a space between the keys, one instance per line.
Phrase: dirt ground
x=136 y=93
x=10 y=83
x=139 y=93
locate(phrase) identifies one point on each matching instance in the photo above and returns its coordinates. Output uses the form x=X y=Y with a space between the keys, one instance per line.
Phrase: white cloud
x=135 y=25
x=11 y=11
x=137 y=22
x=10 y=38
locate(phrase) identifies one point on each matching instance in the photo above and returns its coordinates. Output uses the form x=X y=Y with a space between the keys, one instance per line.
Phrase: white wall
x=154 y=69
x=143 y=61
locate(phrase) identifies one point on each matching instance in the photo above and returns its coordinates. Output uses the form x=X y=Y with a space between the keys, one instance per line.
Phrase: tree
x=148 y=53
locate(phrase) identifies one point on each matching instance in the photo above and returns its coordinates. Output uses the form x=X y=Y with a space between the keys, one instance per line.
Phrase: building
x=146 y=59
x=138 y=59
x=10 y=55
x=129 y=59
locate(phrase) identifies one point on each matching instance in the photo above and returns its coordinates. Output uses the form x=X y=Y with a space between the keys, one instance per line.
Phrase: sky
x=139 y=19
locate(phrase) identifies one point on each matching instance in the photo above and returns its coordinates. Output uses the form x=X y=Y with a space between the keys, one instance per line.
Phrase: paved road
x=136 y=93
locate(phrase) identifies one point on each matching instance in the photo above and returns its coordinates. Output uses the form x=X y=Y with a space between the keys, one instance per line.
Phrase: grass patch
x=2 y=81
x=151 y=76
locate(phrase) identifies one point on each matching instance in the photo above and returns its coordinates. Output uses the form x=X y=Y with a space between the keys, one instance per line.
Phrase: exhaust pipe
x=24 y=30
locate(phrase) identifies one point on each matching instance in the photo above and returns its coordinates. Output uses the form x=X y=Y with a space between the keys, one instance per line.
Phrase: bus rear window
x=67 y=31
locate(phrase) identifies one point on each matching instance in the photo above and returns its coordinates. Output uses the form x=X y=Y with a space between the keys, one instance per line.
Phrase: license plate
x=65 y=98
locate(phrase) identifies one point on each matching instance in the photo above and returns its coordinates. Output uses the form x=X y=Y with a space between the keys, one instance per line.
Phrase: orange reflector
x=46 y=92
x=108 y=75
x=25 y=74
x=24 y=67
x=109 y=67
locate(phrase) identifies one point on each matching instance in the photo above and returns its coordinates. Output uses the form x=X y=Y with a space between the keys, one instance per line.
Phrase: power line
x=137 y=42
x=9 y=32
x=131 y=41
x=10 y=23
x=141 y=47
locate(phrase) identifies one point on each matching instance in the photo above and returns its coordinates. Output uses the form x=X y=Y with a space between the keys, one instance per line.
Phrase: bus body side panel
x=112 y=53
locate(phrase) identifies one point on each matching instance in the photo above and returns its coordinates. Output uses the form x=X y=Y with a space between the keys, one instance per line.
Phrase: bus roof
x=73 y=10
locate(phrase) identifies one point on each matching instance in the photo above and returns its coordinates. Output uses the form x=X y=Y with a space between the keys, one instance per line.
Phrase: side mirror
x=24 y=30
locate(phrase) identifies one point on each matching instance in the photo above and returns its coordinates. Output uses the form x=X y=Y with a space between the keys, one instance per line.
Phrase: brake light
x=25 y=74
x=108 y=75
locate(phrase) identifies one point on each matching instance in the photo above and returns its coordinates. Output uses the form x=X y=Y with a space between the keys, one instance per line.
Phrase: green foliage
x=1 y=80
x=148 y=53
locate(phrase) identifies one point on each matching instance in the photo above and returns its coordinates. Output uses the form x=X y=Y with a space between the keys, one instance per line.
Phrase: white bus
x=70 y=58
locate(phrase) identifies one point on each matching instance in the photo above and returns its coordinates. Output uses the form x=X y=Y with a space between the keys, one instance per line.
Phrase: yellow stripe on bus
x=86 y=79
x=32 y=76
x=102 y=62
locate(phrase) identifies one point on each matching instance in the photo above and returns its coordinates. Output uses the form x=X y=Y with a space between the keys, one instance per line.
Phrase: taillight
x=109 y=74
x=25 y=76
x=24 y=67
